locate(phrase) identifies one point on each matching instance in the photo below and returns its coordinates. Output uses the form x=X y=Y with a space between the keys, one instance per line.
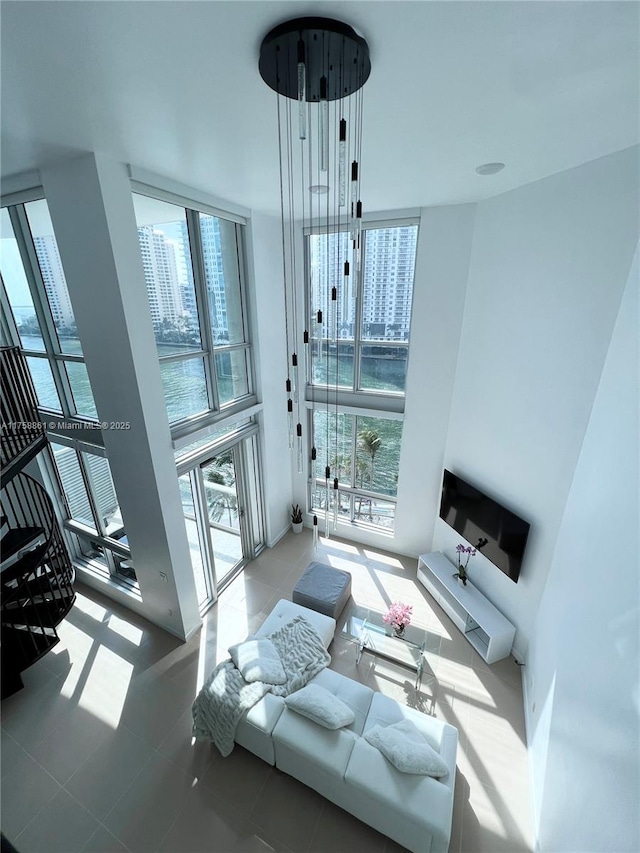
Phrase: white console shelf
x=489 y=632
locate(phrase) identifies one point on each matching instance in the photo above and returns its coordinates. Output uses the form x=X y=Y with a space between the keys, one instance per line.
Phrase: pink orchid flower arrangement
x=398 y=615
x=461 y=551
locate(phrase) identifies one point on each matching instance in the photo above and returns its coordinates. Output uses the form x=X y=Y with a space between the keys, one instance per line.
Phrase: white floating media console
x=489 y=632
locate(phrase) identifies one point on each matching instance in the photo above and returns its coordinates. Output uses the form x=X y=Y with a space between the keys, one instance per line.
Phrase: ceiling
x=173 y=87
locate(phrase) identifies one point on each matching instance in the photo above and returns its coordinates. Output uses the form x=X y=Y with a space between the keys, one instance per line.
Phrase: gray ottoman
x=323 y=589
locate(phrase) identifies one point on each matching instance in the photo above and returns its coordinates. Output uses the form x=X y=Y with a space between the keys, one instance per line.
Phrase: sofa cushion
x=327 y=749
x=255 y=728
x=385 y=711
x=258 y=660
x=408 y=751
x=284 y=611
x=357 y=696
x=419 y=800
x=320 y=706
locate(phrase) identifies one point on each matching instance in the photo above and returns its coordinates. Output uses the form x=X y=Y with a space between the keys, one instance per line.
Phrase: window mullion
x=202 y=304
x=9 y=328
x=246 y=320
x=182 y=356
x=357 y=332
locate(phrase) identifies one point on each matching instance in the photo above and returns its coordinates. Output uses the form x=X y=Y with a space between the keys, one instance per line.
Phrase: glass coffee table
x=418 y=649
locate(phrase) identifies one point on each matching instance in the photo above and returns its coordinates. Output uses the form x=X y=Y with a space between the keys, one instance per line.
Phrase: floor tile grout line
x=55 y=793
x=312 y=835
x=126 y=790
x=121 y=727
x=97 y=820
x=106 y=829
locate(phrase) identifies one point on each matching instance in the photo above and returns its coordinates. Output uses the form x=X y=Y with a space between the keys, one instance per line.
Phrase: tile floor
x=97 y=754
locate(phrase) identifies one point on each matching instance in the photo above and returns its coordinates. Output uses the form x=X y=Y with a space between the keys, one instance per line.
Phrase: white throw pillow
x=258 y=660
x=321 y=706
x=406 y=748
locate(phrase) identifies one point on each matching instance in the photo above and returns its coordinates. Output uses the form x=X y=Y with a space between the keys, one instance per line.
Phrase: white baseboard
x=271 y=543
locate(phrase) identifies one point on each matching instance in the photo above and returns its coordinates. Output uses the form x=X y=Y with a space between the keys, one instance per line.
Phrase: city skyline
x=388 y=279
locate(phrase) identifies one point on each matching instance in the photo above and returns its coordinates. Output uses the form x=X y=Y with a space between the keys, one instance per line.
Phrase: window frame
x=52 y=353
x=384 y=400
x=349 y=489
x=208 y=348
x=114 y=550
x=78 y=427
x=355 y=401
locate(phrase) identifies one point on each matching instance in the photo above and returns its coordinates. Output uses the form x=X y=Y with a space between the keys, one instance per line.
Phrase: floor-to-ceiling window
x=37 y=315
x=358 y=365
x=193 y=262
x=194 y=269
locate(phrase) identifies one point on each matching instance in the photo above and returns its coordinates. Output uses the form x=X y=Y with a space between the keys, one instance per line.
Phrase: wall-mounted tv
x=499 y=534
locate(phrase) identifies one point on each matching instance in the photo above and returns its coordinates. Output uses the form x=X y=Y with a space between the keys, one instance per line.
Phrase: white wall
x=548 y=268
x=583 y=661
x=442 y=268
x=267 y=303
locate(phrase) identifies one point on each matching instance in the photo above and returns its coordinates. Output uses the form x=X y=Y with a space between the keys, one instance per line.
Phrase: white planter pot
x=297 y=526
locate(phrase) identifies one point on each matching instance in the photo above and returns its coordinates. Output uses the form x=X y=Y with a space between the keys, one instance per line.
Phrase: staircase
x=36 y=574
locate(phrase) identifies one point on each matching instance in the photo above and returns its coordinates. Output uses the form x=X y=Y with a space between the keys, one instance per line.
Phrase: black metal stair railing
x=36 y=578
x=22 y=436
x=36 y=573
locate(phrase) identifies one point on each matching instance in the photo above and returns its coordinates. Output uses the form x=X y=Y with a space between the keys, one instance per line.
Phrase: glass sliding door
x=195 y=522
x=225 y=513
x=222 y=503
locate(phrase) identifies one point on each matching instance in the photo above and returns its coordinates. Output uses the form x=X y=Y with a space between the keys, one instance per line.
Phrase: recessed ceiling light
x=319 y=189
x=489 y=168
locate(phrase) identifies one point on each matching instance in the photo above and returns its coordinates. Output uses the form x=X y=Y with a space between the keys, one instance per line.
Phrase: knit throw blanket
x=226 y=696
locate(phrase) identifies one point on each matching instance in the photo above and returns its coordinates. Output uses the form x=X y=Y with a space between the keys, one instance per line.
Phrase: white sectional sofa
x=414 y=810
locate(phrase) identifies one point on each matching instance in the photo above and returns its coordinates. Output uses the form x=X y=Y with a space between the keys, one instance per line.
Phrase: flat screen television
x=497 y=532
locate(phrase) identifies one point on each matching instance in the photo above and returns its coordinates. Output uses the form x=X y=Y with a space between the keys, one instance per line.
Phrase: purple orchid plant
x=461 y=551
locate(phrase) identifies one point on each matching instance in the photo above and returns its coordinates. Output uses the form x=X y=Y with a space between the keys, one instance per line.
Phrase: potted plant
x=398 y=616
x=461 y=552
x=296 y=518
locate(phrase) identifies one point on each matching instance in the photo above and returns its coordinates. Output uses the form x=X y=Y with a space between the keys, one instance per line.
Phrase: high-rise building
x=164 y=271
x=54 y=280
x=388 y=279
x=214 y=271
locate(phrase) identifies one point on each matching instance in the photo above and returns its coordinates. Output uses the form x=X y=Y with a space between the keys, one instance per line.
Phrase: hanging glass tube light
x=327 y=503
x=294 y=376
x=336 y=502
x=342 y=164
x=333 y=319
x=324 y=126
x=290 y=422
x=354 y=198
x=307 y=372
x=302 y=92
x=315 y=533
x=300 y=455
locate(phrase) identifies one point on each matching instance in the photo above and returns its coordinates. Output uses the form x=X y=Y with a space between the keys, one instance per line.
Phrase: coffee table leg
x=419 y=671
x=359 y=651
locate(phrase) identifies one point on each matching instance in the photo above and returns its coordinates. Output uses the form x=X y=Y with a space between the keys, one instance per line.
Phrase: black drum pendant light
x=317 y=67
